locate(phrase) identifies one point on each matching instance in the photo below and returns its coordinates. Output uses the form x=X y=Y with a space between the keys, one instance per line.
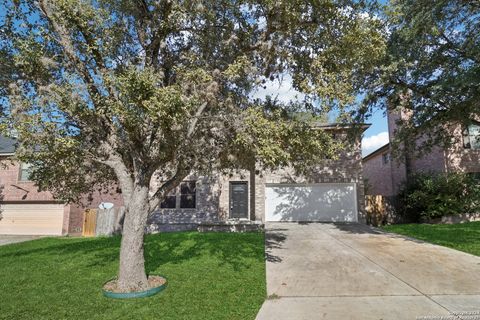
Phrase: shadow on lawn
x=235 y=249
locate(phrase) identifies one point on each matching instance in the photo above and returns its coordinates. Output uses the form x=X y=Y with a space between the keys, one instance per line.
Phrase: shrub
x=430 y=195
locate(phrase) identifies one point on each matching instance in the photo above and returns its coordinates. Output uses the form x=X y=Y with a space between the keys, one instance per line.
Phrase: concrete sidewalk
x=328 y=271
x=8 y=239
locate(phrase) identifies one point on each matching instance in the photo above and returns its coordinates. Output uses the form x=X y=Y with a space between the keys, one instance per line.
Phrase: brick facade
x=213 y=192
x=387 y=178
x=15 y=191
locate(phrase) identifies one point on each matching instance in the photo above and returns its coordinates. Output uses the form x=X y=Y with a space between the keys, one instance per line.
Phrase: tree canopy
x=431 y=66
x=130 y=91
x=165 y=85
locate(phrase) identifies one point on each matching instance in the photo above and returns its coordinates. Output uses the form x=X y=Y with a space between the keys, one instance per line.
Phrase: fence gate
x=89 y=222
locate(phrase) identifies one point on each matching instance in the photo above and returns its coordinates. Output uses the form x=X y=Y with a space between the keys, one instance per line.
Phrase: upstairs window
x=25 y=170
x=475 y=176
x=182 y=197
x=386 y=158
x=471 y=136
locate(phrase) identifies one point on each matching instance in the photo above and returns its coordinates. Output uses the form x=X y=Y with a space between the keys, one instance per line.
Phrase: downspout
x=252 y=191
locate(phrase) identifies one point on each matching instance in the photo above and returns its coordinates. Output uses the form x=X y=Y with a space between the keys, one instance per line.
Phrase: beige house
x=333 y=192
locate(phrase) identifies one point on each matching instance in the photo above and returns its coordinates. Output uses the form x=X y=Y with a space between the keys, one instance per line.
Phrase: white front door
x=326 y=202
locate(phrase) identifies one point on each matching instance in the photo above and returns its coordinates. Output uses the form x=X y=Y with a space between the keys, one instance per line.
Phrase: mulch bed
x=153 y=282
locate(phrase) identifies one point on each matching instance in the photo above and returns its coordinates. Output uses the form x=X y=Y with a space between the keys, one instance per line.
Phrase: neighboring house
x=385 y=175
x=25 y=210
x=332 y=192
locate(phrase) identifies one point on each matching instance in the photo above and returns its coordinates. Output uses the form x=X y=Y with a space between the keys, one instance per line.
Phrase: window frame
x=21 y=171
x=177 y=193
x=468 y=136
x=190 y=183
x=171 y=194
x=475 y=176
x=386 y=158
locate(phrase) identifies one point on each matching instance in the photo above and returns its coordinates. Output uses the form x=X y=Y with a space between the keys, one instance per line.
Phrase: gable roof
x=7 y=145
x=374 y=153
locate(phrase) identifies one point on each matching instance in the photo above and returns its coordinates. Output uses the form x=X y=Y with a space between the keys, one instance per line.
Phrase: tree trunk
x=132 y=276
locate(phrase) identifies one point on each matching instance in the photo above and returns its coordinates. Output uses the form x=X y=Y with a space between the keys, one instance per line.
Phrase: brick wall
x=209 y=190
x=213 y=192
x=387 y=180
x=398 y=168
x=459 y=158
x=15 y=190
x=378 y=175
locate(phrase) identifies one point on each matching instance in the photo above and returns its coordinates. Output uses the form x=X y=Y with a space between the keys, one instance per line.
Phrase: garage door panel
x=316 y=202
x=31 y=219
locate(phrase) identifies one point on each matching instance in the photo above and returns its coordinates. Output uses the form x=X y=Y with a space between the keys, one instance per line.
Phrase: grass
x=462 y=236
x=210 y=276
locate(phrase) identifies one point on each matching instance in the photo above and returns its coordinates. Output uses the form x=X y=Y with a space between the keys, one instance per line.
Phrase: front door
x=238 y=199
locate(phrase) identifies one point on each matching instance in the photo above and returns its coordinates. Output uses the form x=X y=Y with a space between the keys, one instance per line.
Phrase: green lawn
x=462 y=236
x=210 y=276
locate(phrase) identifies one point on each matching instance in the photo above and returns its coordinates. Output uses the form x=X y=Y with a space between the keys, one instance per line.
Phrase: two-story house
x=385 y=175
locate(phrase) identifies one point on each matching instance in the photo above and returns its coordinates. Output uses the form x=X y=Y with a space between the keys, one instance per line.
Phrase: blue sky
x=377 y=135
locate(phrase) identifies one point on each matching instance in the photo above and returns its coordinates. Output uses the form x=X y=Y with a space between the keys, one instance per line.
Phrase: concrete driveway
x=352 y=271
x=8 y=239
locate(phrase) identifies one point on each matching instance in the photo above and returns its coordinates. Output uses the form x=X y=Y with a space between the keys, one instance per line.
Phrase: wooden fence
x=380 y=210
x=102 y=222
x=89 y=222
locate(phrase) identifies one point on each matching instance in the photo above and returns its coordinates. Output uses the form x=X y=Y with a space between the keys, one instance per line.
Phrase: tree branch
x=193 y=123
x=116 y=162
x=67 y=45
x=166 y=187
x=97 y=57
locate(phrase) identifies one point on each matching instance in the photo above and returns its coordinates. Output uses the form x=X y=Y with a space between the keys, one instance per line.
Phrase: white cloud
x=281 y=89
x=374 y=142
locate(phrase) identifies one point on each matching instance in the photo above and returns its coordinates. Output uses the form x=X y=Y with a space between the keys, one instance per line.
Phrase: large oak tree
x=133 y=92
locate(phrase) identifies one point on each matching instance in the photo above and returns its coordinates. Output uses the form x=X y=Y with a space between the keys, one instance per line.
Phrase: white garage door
x=35 y=219
x=333 y=202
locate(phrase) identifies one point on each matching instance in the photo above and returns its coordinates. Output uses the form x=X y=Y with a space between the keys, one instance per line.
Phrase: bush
x=431 y=195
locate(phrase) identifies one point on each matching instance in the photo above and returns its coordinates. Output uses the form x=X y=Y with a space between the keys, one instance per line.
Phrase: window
x=475 y=176
x=25 y=169
x=471 y=136
x=170 y=201
x=186 y=194
x=386 y=158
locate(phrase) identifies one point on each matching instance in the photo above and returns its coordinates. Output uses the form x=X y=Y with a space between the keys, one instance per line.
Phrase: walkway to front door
x=352 y=271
